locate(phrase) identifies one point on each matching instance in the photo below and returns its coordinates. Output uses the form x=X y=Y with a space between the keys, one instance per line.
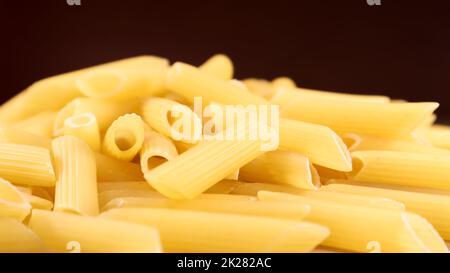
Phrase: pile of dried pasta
x=88 y=165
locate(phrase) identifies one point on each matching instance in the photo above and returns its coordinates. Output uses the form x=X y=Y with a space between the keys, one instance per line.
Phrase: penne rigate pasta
x=105 y=112
x=228 y=204
x=124 y=138
x=15 y=237
x=76 y=185
x=351 y=199
x=402 y=168
x=367 y=143
x=35 y=98
x=85 y=127
x=40 y=124
x=223 y=232
x=217 y=158
x=121 y=83
x=281 y=167
x=13 y=203
x=394 y=120
x=392 y=230
x=319 y=143
x=163 y=115
x=62 y=232
x=189 y=81
x=156 y=150
x=26 y=165
x=433 y=207
x=219 y=66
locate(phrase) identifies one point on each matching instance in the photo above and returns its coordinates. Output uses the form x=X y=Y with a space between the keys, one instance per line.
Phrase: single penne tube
x=220 y=232
x=204 y=165
x=228 y=204
x=319 y=143
x=26 y=165
x=392 y=230
x=402 y=168
x=163 y=114
x=219 y=66
x=252 y=189
x=63 y=232
x=10 y=134
x=111 y=169
x=189 y=82
x=283 y=82
x=301 y=93
x=124 y=138
x=156 y=150
x=392 y=120
x=366 y=143
x=434 y=207
x=260 y=87
x=15 y=237
x=40 y=124
x=281 y=167
x=13 y=203
x=76 y=185
x=85 y=127
x=121 y=83
x=35 y=98
x=105 y=112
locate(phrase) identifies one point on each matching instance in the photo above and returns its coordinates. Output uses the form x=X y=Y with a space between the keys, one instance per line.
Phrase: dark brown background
x=401 y=48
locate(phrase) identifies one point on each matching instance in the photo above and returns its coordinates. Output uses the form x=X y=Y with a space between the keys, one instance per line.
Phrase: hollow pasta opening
x=124 y=140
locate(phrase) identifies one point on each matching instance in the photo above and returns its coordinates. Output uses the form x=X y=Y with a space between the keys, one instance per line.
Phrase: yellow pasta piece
x=301 y=93
x=40 y=124
x=110 y=169
x=319 y=143
x=326 y=174
x=438 y=135
x=402 y=168
x=349 y=116
x=121 y=185
x=434 y=207
x=156 y=150
x=224 y=232
x=12 y=202
x=163 y=114
x=219 y=66
x=281 y=167
x=15 y=237
x=234 y=175
x=365 y=143
x=228 y=204
x=9 y=134
x=188 y=81
x=37 y=202
x=85 y=127
x=105 y=112
x=124 y=138
x=260 y=87
x=106 y=196
x=351 y=199
x=63 y=232
x=283 y=82
x=120 y=83
x=203 y=166
x=35 y=98
x=76 y=185
x=224 y=187
x=27 y=165
x=393 y=230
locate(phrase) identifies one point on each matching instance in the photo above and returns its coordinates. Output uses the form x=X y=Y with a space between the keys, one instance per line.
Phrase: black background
x=400 y=48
